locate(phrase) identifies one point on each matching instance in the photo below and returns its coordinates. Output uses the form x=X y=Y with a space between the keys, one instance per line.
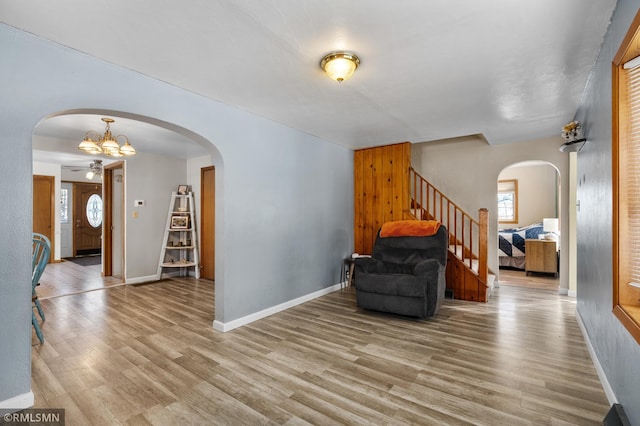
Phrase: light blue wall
x=616 y=350
x=151 y=178
x=284 y=201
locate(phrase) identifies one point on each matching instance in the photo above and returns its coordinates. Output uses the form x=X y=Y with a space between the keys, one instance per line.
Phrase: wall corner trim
x=228 y=326
x=18 y=402
x=608 y=390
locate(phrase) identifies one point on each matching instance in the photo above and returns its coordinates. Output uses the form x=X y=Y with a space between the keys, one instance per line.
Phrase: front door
x=43 y=213
x=87 y=213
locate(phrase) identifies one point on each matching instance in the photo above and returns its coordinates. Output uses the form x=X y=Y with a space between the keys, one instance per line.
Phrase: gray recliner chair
x=405 y=274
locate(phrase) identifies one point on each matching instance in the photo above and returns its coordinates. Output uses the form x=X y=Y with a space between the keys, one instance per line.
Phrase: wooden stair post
x=483 y=269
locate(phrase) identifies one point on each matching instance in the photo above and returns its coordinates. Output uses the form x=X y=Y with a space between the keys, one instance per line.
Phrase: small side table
x=541 y=256
x=346 y=277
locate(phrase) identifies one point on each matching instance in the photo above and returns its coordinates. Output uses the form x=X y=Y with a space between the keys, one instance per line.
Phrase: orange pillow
x=409 y=228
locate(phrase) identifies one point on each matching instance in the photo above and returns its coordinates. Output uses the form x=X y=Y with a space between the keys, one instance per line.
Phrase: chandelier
x=95 y=168
x=94 y=143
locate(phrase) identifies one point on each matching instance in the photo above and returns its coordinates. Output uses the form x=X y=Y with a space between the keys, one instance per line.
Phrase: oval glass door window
x=94 y=210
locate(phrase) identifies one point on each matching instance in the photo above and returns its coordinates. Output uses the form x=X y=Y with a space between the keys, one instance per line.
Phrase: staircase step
x=474 y=264
x=457 y=250
x=417 y=213
x=491 y=279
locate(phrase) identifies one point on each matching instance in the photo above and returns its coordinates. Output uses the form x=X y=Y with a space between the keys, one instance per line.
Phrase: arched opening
x=529 y=225
x=135 y=209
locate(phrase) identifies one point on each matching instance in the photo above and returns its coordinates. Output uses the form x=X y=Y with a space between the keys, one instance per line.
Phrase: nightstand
x=541 y=256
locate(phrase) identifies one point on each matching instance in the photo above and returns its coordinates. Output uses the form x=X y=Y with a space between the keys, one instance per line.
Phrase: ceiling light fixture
x=106 y=144
x=95 y=168
x=339 y=66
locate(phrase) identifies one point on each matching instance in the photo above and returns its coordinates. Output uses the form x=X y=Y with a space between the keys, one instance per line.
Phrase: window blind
x=630 y=154
x=626 y=180
x=508 y=201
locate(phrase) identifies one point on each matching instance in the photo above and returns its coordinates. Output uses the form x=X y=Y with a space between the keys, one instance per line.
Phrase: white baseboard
x=228 y=326
x=139 y=280
x=572 y=293
x=608 y=390
x=19 y=402
x=563 y=291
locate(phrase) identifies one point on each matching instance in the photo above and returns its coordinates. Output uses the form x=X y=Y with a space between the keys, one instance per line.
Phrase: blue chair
x=39 y=258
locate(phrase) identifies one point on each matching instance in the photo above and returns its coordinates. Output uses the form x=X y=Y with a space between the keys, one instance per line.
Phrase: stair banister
x=459 y=233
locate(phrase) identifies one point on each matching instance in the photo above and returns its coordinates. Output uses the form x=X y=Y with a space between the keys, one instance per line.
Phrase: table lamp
x=550 y=227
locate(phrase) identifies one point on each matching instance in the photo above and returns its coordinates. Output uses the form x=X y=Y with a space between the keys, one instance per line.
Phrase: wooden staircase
x=468 y=276
x=387 y=188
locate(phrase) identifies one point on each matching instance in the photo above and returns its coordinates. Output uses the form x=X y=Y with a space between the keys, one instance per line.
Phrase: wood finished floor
x=63 y=278
x=534 y=280
x=147 y=354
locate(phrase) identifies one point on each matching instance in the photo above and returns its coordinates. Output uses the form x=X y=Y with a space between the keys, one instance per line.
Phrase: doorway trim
x=559 y=203
x=207 y=244
x=52 y=195
x=107 y=232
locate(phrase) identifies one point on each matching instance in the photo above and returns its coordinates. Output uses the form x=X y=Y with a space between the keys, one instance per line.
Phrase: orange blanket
x=409 y=228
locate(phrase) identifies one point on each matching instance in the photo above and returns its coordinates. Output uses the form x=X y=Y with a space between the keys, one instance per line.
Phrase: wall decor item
x=572 y=133
x=179 y=222
x=179 y=253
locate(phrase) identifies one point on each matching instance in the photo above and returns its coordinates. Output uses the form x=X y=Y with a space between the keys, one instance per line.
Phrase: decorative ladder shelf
x=179 y=245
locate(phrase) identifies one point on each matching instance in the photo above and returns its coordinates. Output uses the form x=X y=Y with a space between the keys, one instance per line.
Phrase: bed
x=511 y=247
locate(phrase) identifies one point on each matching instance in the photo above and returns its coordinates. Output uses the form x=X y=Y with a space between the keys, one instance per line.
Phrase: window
x=508 y=201
x=94 y=210
x=64 y=205
x=626 y=180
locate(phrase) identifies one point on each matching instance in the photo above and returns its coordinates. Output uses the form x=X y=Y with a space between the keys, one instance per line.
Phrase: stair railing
x=467 y=235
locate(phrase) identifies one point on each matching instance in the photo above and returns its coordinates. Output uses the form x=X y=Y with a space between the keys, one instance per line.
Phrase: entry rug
x=85 y=260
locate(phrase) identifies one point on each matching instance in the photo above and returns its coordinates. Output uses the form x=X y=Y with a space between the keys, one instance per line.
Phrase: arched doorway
x=168 y=155
x=529 y=225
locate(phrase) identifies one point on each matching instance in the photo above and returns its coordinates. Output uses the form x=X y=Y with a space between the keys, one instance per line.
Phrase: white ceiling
x=509 y=70
x=56 y=139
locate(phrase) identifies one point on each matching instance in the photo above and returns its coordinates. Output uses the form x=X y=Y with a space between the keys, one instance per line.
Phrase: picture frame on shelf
x=179 y=222
x=183 y=189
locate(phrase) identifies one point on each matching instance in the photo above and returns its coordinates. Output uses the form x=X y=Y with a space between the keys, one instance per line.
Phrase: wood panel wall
x=381 y=190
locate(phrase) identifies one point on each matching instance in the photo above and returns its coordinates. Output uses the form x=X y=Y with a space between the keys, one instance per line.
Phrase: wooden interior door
x=113 y=237
x=107 y=237
x=43 y=208
x=208 y=221
x=87 y=238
